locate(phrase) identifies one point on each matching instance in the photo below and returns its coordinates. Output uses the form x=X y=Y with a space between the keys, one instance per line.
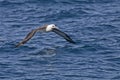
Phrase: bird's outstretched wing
x=64 y=35
x=29 y=36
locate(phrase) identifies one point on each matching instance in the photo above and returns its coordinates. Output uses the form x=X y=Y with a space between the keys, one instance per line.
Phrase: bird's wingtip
x=73 y=42
x=19 y=44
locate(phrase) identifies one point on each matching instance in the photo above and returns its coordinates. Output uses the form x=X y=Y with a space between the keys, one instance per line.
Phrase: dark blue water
x=93 y=24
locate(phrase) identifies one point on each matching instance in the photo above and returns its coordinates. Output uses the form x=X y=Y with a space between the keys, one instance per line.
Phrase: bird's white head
x=50 y=27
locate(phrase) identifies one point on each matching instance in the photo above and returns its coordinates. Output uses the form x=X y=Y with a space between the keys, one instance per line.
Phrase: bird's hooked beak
x=55 y=27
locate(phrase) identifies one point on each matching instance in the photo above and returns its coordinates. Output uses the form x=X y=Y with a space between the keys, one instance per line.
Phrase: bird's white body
x=50 y=27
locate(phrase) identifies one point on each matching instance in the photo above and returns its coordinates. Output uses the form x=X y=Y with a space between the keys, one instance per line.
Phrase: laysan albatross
x=45 y=28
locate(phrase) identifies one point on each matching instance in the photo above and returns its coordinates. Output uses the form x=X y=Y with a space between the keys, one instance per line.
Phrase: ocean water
x=93 y=24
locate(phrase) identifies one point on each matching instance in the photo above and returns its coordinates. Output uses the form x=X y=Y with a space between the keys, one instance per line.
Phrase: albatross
x=46 y=28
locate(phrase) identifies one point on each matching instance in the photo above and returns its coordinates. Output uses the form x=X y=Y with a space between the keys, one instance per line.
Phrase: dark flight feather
x=64 y=35
x=27 y=38
x=30 y=35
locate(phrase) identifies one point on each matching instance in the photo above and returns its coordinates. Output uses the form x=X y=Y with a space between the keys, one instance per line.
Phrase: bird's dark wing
x=64 y=35
x=29 y=36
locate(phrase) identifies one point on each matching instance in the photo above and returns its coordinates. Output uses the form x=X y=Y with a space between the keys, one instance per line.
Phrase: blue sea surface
x=93 y=24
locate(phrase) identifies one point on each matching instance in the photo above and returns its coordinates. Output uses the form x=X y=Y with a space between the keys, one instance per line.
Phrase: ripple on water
x=45 y=52
x=92 y=24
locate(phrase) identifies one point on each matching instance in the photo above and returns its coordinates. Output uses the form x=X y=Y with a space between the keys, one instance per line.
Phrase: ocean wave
x=23 y=1
x=54 y=1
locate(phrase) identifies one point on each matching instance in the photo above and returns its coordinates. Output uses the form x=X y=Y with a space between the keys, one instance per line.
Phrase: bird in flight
x=46 y=28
